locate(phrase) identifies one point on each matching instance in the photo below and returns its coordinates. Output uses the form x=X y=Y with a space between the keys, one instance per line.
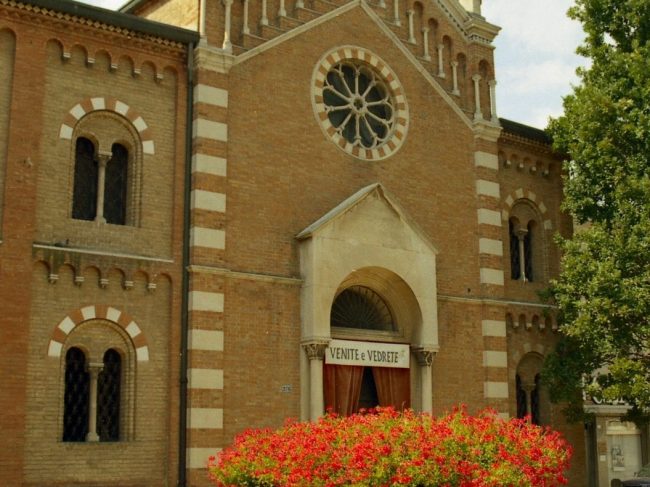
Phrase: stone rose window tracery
x=360 y=103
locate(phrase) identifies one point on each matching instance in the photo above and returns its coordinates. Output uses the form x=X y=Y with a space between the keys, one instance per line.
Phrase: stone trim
x=206 y=301
x=202 y=163
x=99 y=312
x=93 y=104
x=207 y=129
x=495 y=390
x=205 y=379
x=494 y=328
x=486 y=160
x=207 y=237
x=520 y=194
x=401 y=116
x=205 y=418
x=198 y=457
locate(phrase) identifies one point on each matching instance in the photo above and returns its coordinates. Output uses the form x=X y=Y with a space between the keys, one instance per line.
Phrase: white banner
x=370 y=354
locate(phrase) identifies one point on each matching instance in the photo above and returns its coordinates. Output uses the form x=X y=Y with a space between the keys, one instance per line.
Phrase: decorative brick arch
x=99 y=312
x=519 y=194
x=89 y=105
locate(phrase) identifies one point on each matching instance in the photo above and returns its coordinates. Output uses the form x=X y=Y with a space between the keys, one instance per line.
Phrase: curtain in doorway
x=393 y=387
x=342 y=387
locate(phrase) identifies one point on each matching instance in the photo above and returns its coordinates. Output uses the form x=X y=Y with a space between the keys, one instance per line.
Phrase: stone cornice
x=150 y=36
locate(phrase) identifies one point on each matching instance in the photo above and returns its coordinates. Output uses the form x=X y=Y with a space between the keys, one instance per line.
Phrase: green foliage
x=603 y=292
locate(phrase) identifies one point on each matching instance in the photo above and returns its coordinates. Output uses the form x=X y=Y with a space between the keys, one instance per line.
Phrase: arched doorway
x=372 y=370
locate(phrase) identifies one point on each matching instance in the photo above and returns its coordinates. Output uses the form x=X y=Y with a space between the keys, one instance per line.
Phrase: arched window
x=534 y=402
x=526 y=242
x=116 y=186
x=362 y=308
x=76 y=397
x=108 y=397
x=531 y=397
x=84 y=200
x=100 y=183
x=522 y=403
x=528 y=251
x=515 y=258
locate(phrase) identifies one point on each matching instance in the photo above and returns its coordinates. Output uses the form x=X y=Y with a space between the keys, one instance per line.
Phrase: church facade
x=217 y=215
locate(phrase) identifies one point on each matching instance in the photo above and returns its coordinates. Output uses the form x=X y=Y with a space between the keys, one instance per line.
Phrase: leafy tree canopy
x=603 y=292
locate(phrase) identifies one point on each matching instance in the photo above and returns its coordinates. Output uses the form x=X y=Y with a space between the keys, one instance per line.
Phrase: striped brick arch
x=99 y=312
x=358 y=54
x=89 y=105
x=519 y=194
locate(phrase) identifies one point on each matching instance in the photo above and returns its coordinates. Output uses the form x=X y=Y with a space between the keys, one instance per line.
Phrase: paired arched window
x=526 y=243
x=92 y=397
x=530 y=394
x=100 y=183
x=532 y=397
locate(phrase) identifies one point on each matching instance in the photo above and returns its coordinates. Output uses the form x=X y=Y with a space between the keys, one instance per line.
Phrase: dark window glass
x=108 y=397
x=115 y=186
x=528 y=252
x=84 y=200
x=515 y=271
x=534 y=402
x=522 y=406
x=361 y=307
x=75 y=411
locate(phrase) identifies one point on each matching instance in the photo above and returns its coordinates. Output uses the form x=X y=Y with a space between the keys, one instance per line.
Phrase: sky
x=535 y=56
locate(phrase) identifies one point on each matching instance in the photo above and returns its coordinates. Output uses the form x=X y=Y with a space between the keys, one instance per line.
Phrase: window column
x=102 y=160
x=94 y=368
x=521 y=236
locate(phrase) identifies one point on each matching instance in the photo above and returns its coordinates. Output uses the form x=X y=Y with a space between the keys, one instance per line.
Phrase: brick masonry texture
x=263 y=170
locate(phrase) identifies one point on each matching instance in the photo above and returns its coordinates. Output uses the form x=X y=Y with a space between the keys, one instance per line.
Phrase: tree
x=603 y=291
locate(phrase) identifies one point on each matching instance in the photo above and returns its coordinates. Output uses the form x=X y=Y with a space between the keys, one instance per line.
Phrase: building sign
x=369 y=354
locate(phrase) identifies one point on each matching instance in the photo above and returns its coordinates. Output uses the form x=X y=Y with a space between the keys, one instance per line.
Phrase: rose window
x=358 y=105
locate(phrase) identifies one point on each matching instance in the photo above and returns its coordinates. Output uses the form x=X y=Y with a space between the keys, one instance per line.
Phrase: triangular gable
x=272 y=43
x=357 y=199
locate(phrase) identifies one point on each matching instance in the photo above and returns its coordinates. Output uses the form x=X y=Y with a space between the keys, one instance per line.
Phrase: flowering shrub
x=385 y=448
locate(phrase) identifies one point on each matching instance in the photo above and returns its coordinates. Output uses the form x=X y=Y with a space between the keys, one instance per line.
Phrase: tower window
x=108 y=397
x=76 y=399
x=84 y=204
x=515 y=266
x=92 y=397
x=100 y=183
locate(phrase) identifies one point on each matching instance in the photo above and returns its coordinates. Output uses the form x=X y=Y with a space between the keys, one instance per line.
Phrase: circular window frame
x=359 y=55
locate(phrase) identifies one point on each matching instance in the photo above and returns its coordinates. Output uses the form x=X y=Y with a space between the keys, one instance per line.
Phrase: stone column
x=102 y=161
x=245 y=29
x=441 y=69
x=425 y=44
x=493 y=100
x=521 y=235
x=425 y=362
x=409 y=14
x=93 y=370
x=454 y=78
x=282 y=11
x=316 y=354
x=396 y=19
x=528 y=390
x=227 y=45
x=478 y=114
x=264 y=20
